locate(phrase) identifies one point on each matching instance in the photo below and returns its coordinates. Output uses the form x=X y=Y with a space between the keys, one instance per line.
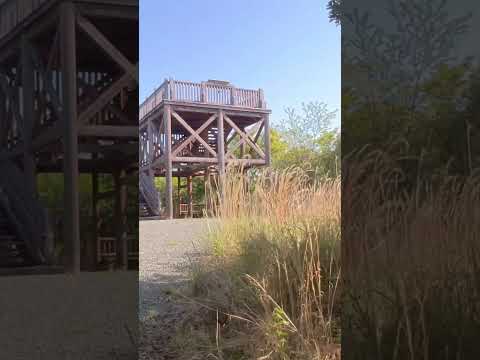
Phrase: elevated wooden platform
x=196 y=129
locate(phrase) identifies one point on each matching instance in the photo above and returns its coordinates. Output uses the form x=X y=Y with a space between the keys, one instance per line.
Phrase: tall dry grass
x=271 y=290
x=411 y=261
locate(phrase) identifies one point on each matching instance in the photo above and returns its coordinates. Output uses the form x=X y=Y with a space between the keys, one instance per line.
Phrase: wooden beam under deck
x=200 y=160
x=109 y=131
x=105 y=166
x=127 y=149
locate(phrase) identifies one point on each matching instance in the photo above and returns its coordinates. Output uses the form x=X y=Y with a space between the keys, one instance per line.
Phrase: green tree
x=307 y=140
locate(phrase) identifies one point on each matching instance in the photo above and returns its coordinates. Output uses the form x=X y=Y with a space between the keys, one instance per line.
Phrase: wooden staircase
x=143 y=210
x=148 y=201
x=23 y=228
x=13 y=252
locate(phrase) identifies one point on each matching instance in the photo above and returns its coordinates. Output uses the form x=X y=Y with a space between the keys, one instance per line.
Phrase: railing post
x=261 y=99
x=164 y=88
x=221 y=150
x=203 y=95
x=233 y=100
x=266 y=129
x=172 y=89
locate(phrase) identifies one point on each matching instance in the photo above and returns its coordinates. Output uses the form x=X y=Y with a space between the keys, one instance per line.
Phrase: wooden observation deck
x=69 y=105
x=192 y=129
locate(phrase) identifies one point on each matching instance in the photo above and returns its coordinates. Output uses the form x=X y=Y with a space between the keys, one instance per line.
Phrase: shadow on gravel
x=154 y=293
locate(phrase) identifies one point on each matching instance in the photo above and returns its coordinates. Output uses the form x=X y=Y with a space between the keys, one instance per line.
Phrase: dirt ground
x=166 y=248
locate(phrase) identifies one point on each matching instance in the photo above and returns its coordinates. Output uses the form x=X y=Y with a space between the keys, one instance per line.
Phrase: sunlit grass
x=272 y=286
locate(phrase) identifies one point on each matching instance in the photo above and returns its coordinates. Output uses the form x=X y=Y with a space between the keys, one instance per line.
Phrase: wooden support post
x=266 y=130
x=221 y=152
x=190 y=195
x=243 y=146
x=95 y=243
x=120 y=216
x=70 y=138
x=206 y=179
x=167 y=119
x=179 y=180
x=28 y=114
x=221 y=143
x=94 y=253
x=3 y=121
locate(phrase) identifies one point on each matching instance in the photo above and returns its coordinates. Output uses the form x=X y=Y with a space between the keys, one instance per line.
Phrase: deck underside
x=69 y=105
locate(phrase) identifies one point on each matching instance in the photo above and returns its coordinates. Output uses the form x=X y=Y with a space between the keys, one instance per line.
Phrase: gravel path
x=166 y=248
x=83 y=317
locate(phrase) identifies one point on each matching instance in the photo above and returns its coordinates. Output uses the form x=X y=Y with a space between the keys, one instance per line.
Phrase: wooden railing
x=13 y=12
x=197 y=210
x=107 y=247
x=205 y=92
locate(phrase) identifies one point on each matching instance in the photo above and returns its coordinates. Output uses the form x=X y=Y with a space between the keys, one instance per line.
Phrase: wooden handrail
x=149 y=193
x=204 y=92
x=25 y=211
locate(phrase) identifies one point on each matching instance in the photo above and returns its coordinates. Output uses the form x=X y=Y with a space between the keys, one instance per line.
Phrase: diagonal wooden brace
x=104 y=98
x=242 y=141
x=192 y=137
x=191 y=131
x=245 y=137
x=107 y=46
x=57 y=107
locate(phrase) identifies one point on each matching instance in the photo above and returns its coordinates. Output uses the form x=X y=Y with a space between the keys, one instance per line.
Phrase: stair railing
x=25 y=212
x=149 y=193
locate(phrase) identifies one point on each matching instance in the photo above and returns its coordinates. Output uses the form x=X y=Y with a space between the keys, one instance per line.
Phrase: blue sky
x=288 y=48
